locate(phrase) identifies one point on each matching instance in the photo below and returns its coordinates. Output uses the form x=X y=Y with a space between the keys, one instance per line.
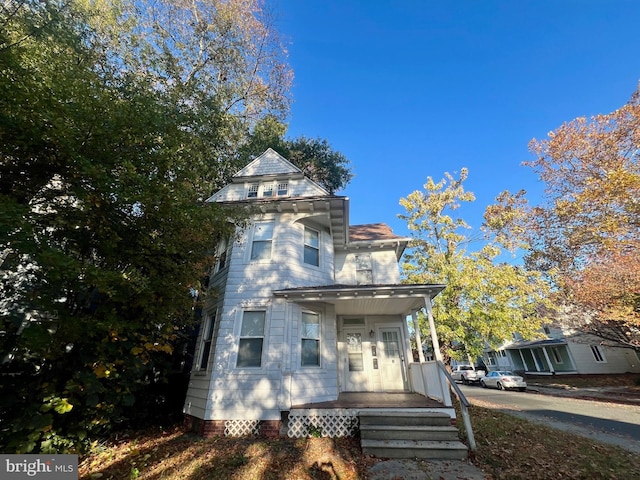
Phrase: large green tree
x=105 y=155
x=486 y=300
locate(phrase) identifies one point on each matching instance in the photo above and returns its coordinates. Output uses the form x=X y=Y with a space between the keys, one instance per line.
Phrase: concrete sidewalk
x=406 y=469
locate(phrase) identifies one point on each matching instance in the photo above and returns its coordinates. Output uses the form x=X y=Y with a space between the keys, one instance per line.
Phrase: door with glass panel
x=392 y=361
x=356 y=374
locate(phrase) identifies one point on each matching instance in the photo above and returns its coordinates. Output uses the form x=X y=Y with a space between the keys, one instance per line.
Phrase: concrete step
x=415 y=449
x=402 y=418
x=409 y=432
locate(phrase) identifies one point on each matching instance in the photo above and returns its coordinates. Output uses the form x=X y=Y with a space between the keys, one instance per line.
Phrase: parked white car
x=503 y=380
x=467 y=374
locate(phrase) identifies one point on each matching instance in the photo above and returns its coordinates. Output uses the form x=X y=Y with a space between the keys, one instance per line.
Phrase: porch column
x=414 y=318
x=432 y=329
x=524 y=363
x=546 y=355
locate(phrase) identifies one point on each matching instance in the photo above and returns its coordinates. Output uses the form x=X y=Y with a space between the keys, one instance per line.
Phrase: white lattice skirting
x=322 y=423
x=240 y=428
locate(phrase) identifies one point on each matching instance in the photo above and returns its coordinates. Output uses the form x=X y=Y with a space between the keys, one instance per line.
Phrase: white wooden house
x=563 y=351
x=304 y=307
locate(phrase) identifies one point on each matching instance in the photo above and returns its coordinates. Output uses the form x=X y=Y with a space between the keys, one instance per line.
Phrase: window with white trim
x=251 y=339
x=262 y=240
x=310 y=350
x=598 y=354
x=283 y=189
x=557 y=356
x=364 y=272
x=207 y=340
x=311 y=247
x=252 y=191
x=267 y=189
x=223 y=250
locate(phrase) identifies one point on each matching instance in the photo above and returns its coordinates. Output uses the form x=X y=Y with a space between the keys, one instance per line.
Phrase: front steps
x=410 y=434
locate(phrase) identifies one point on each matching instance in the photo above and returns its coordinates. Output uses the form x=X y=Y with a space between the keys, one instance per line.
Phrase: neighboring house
x=563 y=351
x=303 y=306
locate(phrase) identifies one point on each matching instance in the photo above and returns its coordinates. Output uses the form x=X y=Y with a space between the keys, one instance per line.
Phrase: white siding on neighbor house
x=616 y=360
x=384 y=264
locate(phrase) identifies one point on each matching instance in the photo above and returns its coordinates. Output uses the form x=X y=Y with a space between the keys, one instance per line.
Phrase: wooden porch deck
x=375 y=400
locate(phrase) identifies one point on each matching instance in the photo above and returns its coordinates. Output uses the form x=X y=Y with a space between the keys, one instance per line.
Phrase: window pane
x=206 y=350
x=263 y=231
x=267 y=190
x=310 y=325
x=310 y=352
x=311 y=256
x=252 y=324
x=283 y=188
x=253 y=190
x=261 y=250
x=311 y=237
x=356 y=363
x=250 y=352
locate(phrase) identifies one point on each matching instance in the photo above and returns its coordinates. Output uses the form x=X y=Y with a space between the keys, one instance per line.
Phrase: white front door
x=392 y=361
x=356 y=374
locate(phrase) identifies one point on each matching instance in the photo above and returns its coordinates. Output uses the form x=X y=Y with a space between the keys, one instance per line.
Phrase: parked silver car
x=503 y=380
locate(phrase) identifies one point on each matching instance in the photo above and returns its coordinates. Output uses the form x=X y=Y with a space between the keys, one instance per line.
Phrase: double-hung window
x=283 y=189
x=207 y=340
x=311 y=247
x=251 y=339
x=262 y=240
x=364 y=273
x=310 y=354
x=222 y=254
x=267 y=190
x=252 y=191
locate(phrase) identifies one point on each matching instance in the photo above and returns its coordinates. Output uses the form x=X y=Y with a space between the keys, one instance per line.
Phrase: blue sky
x=411 y=89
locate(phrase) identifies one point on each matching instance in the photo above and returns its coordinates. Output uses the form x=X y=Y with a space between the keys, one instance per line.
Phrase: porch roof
x=548 y=342
x=395 y=299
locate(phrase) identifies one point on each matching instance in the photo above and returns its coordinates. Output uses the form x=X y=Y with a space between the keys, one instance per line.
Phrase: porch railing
x=432 y=379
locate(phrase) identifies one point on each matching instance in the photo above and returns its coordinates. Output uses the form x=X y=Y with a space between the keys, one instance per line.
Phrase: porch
x=359 y=400
x=394 y=425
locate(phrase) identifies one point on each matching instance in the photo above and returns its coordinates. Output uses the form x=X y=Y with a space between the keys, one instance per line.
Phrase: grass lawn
x=508 y=448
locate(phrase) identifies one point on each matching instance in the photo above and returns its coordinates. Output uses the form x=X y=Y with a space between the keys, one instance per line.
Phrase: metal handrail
x=464 y=404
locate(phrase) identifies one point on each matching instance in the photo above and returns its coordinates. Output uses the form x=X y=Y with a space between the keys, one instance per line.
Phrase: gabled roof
x=269 y=163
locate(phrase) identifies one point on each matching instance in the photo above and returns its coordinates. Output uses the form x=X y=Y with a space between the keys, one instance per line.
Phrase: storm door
x=392 y=361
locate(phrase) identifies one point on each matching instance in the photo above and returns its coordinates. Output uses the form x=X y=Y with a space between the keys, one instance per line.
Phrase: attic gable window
x=283 y=189
x=267 y=189
x=252 y=192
